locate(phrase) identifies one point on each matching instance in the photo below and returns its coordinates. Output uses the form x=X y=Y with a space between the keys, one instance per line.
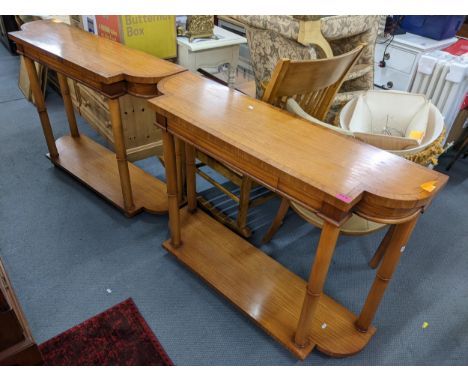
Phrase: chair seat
x=356 y=225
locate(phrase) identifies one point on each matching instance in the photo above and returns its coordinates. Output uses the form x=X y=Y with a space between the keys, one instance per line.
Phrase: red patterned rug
x=117 y=337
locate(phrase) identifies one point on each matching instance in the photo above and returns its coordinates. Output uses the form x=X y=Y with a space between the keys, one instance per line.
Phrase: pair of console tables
x=324 y=171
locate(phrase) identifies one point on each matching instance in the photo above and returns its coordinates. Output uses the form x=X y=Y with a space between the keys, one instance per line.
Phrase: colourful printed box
x=155 y=35
x=152 y=34
x=109 y=27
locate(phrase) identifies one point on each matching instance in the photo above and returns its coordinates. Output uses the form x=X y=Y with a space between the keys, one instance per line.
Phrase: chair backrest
x=313 y=84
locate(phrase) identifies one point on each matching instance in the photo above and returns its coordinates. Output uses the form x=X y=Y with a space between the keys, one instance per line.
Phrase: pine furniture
x=114 y=71
x=317 y=168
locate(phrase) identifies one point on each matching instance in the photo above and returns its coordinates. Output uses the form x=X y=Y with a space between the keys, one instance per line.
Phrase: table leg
x=67 y=101
x=244 y=203
x=232 y=74
x=377 y=258
x=41 y=108
x=191 y=178
x=180 y=160
x=171 y=182
x=121 y=154
x=399 y=238
x=317 y=277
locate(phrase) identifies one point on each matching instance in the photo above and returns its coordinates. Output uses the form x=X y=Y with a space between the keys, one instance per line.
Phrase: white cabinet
x=401 y=59
x=211 y=53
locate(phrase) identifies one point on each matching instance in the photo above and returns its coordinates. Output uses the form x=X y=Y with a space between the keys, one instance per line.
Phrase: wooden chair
x=312 y=86
x=243 y=199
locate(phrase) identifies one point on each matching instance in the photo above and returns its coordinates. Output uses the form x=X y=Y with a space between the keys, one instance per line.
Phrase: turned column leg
x=121 y=154
x=232 y=75
x=171 y=183
x=399 y=238
x=317 y=277
x=180 y=159
x=191 y=178
x=67 y=101
x=375 y=261
x=41 y=108
x=244 y=202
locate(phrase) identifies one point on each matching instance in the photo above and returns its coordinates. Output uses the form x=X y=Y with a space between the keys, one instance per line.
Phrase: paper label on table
x=429 y=186
x=344 y=198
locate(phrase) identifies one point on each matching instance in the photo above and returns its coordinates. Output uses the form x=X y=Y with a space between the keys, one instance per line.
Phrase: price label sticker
x=416 y=135
x=429 y=186
x=344 y=198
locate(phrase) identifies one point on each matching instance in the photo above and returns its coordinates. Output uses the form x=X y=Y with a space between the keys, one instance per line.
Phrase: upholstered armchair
x=302 y=38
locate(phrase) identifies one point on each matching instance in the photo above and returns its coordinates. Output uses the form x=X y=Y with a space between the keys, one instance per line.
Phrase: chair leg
x=282 y=211
x=459 y=153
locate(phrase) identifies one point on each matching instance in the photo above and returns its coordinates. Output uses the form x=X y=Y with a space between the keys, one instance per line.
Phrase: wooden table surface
x=113 y=70
x=106 y=66
x=310 y=164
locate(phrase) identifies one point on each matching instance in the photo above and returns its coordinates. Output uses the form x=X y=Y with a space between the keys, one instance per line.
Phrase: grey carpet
x=63 y=247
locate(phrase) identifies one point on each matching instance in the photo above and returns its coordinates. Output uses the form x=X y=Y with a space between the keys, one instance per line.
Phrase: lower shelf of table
x=96 y=167
x=262 y=288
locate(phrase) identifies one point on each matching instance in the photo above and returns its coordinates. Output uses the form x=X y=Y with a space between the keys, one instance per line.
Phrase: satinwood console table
x=324 y=171
x=112 y=70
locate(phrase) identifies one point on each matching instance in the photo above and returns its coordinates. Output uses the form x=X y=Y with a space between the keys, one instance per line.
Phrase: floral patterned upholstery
x=267 y=47
x=274 y=37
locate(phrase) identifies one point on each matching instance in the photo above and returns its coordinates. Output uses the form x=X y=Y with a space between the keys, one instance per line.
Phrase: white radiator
x=443 y=78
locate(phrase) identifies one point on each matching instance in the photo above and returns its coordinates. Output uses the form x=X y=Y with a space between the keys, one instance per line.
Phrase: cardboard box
x=109 y=27
x=153 y=34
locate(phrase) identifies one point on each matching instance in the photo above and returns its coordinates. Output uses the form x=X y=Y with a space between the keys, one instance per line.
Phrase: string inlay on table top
x=92 y=59
x=288 y=154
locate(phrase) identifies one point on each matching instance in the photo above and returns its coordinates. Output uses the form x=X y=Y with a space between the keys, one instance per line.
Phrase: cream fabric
x=356 y=225
x=419 y=123
x=293 y=107
x=428 y=117
x=390 y=120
